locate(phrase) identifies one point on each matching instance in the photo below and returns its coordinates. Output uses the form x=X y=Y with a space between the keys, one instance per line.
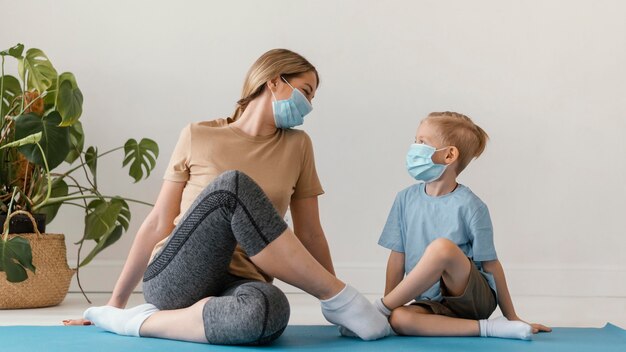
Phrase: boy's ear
x=452 y=155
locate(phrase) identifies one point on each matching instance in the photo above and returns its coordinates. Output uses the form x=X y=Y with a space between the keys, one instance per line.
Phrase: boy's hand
x=536 y=327
x=539 y=328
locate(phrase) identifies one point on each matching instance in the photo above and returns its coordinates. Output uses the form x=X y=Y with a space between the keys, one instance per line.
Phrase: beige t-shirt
x=282 y=164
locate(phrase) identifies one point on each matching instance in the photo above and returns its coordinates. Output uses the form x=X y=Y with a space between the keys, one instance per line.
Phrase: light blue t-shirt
x=416 y=219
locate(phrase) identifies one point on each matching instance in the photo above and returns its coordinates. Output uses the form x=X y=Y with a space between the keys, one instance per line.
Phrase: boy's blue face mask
x=420 y=164
x=290 y=112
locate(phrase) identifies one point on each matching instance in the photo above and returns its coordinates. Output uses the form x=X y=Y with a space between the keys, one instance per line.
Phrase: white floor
x=553 y=311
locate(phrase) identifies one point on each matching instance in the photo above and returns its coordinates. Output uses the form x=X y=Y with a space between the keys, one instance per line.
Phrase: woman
x=215 y=238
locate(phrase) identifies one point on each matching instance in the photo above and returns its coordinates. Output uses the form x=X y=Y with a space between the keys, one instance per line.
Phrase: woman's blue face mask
x=420 y=165
x=290 y=112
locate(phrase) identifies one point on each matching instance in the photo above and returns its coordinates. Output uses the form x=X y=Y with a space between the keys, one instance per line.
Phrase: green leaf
x=123 y=218
x=15 y=51
x=102 y=243
x=50 y=99
x=101 y=218
x=11 y=90
x=15 y=257
x=55 y=140
x=91 y=158
x=69 y=99
x=77 y=142
x=41 y=73
x=142 y=155
x=59 y=189
x=32 y=139
x=107 y=221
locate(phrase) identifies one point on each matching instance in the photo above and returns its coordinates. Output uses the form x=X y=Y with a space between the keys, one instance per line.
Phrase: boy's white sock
x=120 y=321
x=353 y=311
x=504 y=328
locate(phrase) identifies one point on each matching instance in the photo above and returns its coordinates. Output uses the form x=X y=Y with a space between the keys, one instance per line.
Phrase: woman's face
x=306 y=83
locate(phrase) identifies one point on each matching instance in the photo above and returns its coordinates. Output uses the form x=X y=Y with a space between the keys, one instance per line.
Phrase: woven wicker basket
x=49 y=285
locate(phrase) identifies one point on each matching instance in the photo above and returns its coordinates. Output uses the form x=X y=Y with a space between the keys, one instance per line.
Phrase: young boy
x=440 y=235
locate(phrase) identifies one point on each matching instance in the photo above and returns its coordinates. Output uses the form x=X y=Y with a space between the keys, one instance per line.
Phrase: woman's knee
x=235 y=177
x=274 y=306
x=253 y=313
x=234 y=181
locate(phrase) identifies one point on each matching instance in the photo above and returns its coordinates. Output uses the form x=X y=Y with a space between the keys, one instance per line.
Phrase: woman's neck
x=257 y=119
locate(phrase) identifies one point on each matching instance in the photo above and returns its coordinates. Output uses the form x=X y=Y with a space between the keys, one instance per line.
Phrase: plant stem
x=55 y=200
x=76 y=205
x=6 y=224
x=93 y=184
x=78 y=270
x=2 y=95
x=45 y=162
x=97 y=156
x=23 y=90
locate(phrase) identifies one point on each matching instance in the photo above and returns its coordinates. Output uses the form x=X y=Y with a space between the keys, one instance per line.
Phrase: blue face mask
x=419 y=163
x=290 y=112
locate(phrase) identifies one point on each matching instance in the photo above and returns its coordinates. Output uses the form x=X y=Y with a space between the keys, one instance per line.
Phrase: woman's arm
x=308 y=229
x=157 y=225
x=395 y=271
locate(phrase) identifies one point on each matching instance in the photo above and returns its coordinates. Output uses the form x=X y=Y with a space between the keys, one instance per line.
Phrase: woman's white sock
x=120 y=321
x=504 y=328
x=353 y=311
x=382 y=308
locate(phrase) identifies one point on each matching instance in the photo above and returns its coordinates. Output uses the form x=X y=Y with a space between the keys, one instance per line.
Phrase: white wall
x=546 y=80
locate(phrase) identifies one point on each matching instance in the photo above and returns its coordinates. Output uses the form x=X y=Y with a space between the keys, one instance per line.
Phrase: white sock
x=120 y=321
x=382 y=308
x=504 y=328
x=352 y=311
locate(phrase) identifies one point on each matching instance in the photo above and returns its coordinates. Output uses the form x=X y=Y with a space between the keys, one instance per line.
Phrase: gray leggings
x=194 y=263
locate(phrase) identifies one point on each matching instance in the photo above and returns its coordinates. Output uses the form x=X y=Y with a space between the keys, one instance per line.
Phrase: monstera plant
x=40 y=132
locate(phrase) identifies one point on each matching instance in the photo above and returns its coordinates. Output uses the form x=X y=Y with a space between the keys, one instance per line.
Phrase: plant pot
x=20 y=223
x=49 y=285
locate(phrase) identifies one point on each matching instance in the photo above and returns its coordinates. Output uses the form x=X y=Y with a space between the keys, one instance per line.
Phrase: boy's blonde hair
x=460 y=131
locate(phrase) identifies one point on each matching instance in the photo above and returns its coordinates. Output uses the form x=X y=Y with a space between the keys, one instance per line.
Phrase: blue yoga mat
x=307 y=338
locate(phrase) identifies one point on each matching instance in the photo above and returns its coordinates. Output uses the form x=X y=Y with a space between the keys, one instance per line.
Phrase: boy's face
x=427 y=134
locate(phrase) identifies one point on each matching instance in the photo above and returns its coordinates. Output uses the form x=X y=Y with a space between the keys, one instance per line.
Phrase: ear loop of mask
x=437 y=150
x=283 y=78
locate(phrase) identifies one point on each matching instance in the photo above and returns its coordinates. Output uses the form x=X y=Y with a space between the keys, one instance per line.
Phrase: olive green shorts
x=477 y=302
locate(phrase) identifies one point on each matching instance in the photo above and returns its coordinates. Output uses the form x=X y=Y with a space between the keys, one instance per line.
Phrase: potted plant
x=39 y=131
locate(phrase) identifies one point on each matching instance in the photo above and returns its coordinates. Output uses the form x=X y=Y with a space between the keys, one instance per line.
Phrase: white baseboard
x=560 y=281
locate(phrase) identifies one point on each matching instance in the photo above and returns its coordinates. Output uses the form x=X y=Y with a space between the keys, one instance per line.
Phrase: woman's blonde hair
x=276 y=62
x=460 y=131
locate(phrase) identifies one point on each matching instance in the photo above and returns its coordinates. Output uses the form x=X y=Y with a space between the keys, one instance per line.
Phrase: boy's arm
x=504 y=297
x=395 y=271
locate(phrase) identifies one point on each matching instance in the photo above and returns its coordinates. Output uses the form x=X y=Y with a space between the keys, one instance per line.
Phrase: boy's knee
x=443 y=248
x=399 y=319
